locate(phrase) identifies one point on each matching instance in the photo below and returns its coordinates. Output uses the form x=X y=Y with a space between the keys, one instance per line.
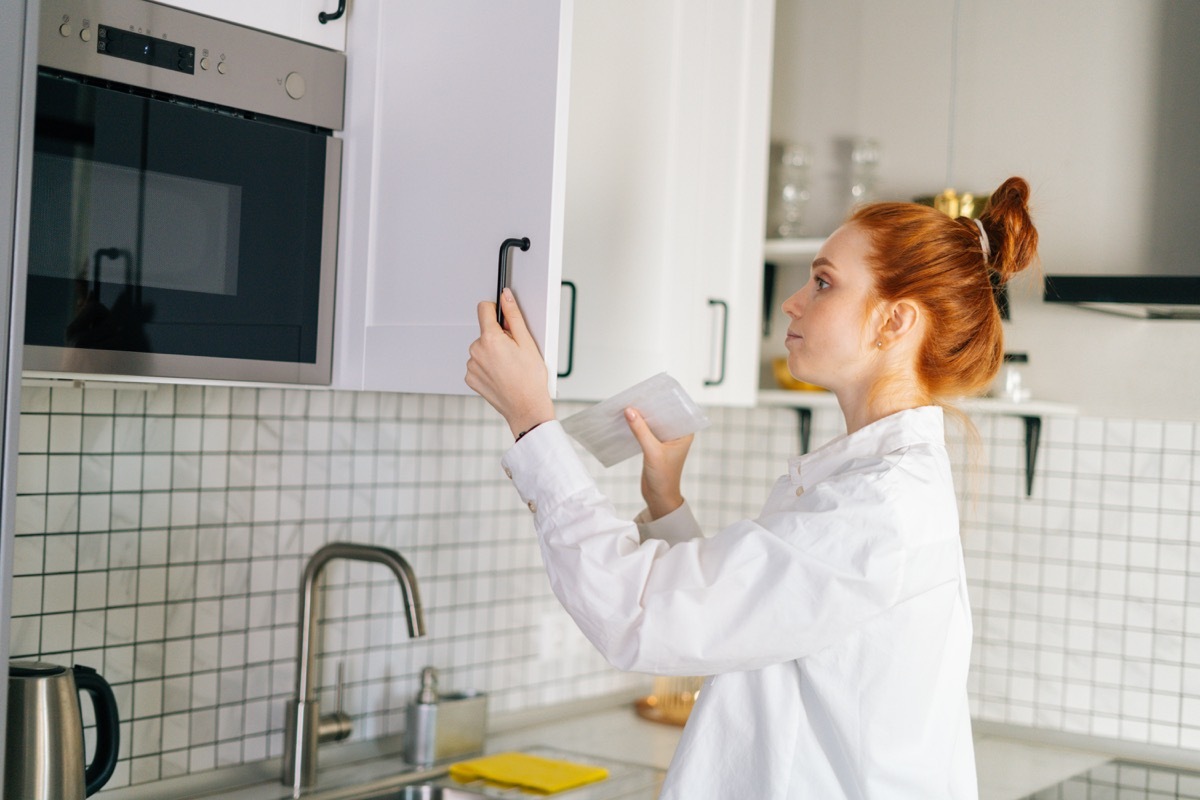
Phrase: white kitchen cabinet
x=296 y=19
x=454 y=143
x=665 y=195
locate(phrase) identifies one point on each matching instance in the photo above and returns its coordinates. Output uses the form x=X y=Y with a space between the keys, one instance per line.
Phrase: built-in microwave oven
x=184 y=199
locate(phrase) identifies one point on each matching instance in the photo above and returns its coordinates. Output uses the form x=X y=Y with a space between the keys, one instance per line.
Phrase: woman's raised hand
x=506 y=368
x=662 y=466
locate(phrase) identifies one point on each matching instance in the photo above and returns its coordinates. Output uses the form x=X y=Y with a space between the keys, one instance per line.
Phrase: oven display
x=146 y=50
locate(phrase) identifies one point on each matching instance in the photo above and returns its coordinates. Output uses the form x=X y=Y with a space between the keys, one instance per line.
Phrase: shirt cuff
x=678 y=526
x=544 y=467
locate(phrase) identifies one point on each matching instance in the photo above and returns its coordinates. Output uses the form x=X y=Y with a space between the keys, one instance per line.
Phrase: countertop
x=607 y=728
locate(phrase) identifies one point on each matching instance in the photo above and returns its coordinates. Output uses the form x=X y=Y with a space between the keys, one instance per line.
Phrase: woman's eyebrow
x=822 y=262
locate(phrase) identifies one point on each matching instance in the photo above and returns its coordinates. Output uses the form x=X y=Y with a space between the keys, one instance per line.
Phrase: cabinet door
x=618 y=196
x=455 y=143
x=728 y=82
x=665 y=194
x=296 y=19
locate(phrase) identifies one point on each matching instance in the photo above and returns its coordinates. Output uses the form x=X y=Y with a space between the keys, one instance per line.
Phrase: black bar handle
x=570 y=332
x=326 y=16
x=724 y=339
x=502 y=279
x=108 y=728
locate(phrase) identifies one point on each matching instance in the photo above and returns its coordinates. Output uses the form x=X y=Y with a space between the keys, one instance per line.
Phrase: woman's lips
x=793 y=337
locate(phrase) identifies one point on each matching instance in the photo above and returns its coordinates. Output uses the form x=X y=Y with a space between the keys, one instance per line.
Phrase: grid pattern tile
x=162 y=534
x=1085 y=595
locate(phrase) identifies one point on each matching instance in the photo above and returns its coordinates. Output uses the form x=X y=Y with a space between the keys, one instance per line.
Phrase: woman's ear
x=902 y=319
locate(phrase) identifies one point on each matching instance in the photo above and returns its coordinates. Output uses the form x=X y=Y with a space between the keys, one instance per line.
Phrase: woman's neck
x=860 y=409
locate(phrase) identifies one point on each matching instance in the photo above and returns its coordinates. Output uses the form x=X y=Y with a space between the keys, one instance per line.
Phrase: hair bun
x=1012 y=237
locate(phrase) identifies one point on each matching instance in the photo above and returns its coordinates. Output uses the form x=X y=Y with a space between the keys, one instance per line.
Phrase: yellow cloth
x=528 y=772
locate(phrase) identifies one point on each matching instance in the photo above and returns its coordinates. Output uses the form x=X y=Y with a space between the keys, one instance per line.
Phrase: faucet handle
x=338 y=725
x=341 y=685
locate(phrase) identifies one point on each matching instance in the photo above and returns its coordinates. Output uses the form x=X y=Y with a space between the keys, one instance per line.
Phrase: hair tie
x=983 y=242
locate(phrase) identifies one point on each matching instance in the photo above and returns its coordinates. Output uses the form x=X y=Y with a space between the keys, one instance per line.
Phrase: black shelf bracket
x=804 y=416
x=1033 y=435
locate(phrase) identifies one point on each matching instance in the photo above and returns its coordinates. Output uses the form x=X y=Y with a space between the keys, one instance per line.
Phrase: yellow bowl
x=785 y=380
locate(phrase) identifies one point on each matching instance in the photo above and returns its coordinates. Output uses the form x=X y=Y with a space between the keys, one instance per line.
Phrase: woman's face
x=831 y=337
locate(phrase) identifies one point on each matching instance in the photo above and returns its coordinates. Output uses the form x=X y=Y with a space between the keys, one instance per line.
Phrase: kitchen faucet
x=305 y=728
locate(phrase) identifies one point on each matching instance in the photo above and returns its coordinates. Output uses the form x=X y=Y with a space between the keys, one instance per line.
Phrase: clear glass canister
x=1010 y=383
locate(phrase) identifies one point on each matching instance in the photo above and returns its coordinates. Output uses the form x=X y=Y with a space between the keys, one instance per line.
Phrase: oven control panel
x=194 y=57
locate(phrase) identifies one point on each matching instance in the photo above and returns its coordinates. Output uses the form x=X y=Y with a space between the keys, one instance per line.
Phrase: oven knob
x=65 y=29
x=204 y=62
x=294 y=83
x=86 y=34
x=221 y=68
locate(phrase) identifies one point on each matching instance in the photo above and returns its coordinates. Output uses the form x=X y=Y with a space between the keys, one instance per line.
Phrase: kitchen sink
x=426 y=791
x=624 y=782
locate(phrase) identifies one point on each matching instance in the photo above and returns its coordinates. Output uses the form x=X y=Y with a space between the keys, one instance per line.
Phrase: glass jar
x=1010 y=384
x=790 y=192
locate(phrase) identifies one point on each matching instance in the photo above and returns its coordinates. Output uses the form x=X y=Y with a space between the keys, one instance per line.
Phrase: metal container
x=44 y=753
x=443 y=726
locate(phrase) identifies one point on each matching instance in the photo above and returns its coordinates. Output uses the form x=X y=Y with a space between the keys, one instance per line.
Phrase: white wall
x=1033 y=98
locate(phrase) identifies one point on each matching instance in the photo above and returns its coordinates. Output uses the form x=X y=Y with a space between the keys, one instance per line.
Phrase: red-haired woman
x=836 y=623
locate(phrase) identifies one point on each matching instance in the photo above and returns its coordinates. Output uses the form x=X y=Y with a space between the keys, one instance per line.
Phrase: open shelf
x=1030 y=411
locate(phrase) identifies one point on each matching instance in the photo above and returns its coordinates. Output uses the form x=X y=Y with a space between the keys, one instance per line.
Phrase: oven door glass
x=171 y=239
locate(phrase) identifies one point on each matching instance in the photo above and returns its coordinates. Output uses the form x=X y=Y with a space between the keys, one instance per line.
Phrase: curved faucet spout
x=306 y=655
x=303 y=724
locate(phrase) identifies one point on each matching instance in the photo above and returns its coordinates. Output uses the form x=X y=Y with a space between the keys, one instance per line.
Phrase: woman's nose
x=794 y=305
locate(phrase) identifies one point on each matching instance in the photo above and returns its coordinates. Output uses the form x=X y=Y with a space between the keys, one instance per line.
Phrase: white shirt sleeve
x=678 y=526
x=759 y=592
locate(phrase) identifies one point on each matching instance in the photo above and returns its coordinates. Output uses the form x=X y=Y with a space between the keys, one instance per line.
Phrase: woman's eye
x=821 y=282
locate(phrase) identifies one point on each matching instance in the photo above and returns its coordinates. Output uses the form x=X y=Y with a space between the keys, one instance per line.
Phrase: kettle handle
x=108 y=729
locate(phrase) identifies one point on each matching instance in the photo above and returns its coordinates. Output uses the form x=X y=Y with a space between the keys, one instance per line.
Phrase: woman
x=836 y=623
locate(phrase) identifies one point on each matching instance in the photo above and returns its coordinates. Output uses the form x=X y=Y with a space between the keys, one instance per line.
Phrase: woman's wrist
x=659 y=507
x=526 y=422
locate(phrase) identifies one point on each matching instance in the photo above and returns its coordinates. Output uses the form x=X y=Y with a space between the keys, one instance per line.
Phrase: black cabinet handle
x=326 y=16
x=570 y=332
x=502 y=278
x=724 y=339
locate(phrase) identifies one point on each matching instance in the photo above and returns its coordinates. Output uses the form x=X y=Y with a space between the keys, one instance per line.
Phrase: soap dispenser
x=442 y=726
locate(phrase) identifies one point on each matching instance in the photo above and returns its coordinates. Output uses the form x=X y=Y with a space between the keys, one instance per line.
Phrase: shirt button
x=799 y=491
x=533 y=506
x=508 y=473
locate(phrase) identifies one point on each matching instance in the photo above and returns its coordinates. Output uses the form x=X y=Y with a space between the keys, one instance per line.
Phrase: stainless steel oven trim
x=257 y=66
x=64 y=52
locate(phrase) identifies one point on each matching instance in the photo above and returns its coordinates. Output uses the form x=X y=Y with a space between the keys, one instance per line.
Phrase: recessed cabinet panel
x=668 y=130
x=456 y=143
x=731 y=59
x=618 y=210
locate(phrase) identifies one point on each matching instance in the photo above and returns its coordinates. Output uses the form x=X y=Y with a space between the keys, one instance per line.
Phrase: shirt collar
x=923 y=425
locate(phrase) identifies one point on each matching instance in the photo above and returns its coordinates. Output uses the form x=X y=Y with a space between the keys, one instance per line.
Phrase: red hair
x=938 y=262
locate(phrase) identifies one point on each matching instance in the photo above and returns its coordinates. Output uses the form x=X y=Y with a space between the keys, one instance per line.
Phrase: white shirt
x=836 y=624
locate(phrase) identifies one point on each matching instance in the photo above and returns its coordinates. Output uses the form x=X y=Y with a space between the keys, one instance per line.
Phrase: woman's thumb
x=514 y=320
x=641 y=429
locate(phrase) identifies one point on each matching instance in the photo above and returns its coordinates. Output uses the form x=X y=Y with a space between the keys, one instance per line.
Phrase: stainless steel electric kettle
x=44 y=754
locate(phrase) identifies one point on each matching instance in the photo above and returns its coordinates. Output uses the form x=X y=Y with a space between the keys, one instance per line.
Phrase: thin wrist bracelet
x=522 y=433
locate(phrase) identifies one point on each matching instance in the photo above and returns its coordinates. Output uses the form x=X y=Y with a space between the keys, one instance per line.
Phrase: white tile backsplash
x=161 y=536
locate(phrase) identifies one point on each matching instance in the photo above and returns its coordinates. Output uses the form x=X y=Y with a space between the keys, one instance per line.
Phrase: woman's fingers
x=486 y=311
x=505 y=366
x=514 y=320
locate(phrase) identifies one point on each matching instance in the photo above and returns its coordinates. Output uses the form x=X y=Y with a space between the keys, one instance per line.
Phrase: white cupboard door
x=616 y=247
x=455 y=136
x=665 y=194
x=296 y=19
x=729 y=119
